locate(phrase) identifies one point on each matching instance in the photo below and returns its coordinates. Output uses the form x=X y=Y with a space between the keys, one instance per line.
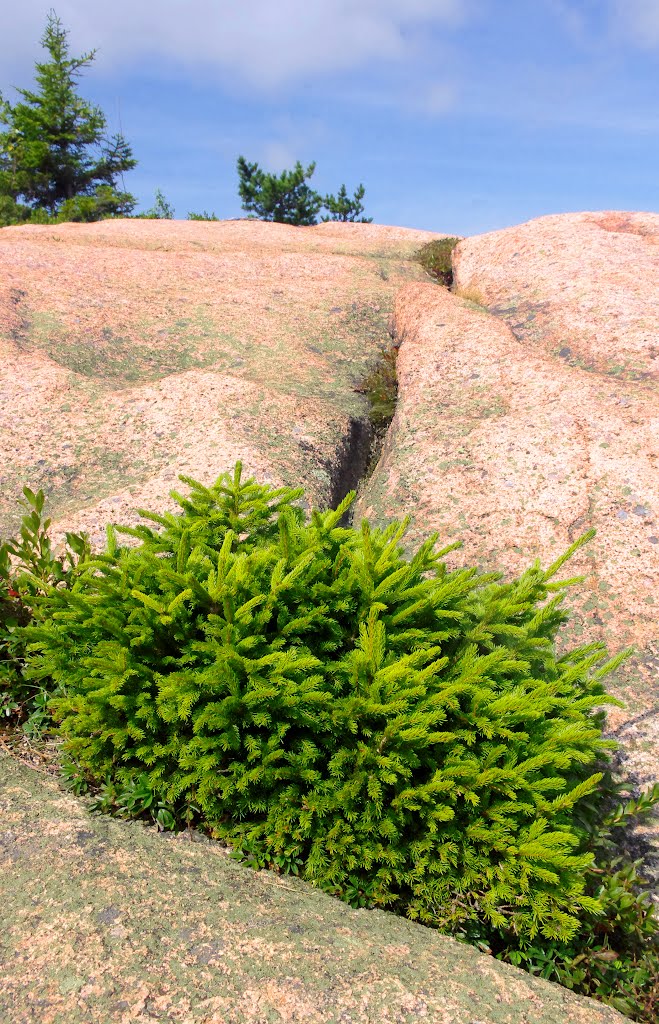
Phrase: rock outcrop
x=132 y=351
x=583 y=287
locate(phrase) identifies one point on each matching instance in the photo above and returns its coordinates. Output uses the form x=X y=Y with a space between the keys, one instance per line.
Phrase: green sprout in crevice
x=435 y=258
x=380 y=387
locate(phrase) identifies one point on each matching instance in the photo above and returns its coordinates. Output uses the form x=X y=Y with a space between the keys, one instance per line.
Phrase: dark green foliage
x=435 y=258
x=47 y=167
x=285 y=198
x=12 y=212
x=381 y=388
x=202 y=216
x=104 y=202
x=28 y=568
x=345 y=208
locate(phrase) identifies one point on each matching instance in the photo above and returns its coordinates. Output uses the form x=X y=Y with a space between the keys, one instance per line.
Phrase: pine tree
x=47 y=167
x=345 y=208
x=285 y=198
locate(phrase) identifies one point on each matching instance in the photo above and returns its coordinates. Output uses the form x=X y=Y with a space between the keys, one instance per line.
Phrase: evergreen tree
x=285 y=198
x=46 y=167
x=343 y=207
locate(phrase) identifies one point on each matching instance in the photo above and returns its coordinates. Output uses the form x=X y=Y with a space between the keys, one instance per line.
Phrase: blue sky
x=457 y=115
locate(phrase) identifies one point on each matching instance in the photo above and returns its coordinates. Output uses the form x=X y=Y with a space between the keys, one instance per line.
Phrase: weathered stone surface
x=581 y=286
x=583 y=290
x=106 y=922
x=132 y=351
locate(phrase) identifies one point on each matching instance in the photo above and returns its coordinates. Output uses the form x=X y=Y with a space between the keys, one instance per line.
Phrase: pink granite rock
x=581 y=286
x=132 y=351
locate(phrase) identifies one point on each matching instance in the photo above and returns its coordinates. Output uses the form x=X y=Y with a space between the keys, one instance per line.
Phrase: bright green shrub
x=161 y=209
x=399 y=734
x=28 y=568
x=403 y=732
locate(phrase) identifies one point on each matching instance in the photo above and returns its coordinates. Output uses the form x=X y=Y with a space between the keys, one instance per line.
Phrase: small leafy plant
x=135 y=798
x=161 y=209
x=435 y=258
x=202 y=216
x=381 y=388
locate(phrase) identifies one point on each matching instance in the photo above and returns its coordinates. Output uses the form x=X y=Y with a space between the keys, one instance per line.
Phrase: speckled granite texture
x=106 y=922
x=132 y=351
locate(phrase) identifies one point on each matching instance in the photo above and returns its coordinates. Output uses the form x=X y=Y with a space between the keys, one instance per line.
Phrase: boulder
x=583 y=287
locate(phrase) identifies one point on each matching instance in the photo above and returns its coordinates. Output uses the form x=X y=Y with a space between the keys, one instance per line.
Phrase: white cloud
x=639 y=19
x=277 y=156
x=290 y=138
x=263 y=43
x=573 y=19
x=438 y=98
x=602 y=25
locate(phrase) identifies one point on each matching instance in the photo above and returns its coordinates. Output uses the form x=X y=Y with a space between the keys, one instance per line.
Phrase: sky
x=458 y=116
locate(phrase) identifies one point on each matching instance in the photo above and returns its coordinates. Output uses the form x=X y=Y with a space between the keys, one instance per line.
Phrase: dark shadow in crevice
x=352 y=459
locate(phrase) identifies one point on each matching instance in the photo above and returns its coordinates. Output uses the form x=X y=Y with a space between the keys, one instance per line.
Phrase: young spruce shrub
x=28 y=569
x=401 y=735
